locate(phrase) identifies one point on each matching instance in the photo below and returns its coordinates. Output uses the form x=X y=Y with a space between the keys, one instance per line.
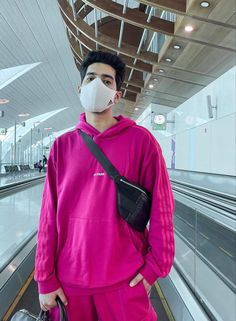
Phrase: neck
x=101 y=121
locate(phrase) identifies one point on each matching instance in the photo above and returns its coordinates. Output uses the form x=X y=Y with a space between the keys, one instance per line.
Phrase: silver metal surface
x=214 y=182
x=219 y=200
x=181 y=300
x=13 y=277
x=18 y=186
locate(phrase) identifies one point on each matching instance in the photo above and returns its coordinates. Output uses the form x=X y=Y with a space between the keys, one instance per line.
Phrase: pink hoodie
x=82 y=240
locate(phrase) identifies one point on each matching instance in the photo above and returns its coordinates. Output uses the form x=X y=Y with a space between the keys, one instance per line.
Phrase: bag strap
x=100 y=156
x=44 y=315
x=63 y=313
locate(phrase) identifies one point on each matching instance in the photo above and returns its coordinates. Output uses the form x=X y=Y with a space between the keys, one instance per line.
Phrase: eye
x=90 y=78
x=107 y=82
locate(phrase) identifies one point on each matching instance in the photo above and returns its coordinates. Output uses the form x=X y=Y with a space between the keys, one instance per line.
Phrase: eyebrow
x=103 y=75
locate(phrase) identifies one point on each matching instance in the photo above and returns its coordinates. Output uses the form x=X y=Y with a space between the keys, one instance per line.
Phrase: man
x=45 y=160
x=40 y=166
x=87 y=254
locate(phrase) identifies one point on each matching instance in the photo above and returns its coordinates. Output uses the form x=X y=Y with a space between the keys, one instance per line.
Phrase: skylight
x=8 y=75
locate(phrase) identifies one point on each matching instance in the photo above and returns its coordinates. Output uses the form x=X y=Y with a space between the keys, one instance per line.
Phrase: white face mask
x=96 y=97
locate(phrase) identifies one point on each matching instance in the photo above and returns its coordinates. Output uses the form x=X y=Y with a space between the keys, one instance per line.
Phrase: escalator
x=204 y=261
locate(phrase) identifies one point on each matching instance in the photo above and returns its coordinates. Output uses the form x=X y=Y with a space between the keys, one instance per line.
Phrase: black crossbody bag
x=133 y=201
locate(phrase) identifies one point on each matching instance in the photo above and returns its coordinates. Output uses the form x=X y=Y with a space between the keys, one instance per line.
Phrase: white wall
x=201 y=143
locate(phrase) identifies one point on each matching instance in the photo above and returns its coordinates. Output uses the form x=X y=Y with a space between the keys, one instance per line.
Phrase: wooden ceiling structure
x=165 y=64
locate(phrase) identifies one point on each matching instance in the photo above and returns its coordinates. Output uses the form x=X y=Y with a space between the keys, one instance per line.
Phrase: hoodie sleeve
x=47 y=233
x=159 y=259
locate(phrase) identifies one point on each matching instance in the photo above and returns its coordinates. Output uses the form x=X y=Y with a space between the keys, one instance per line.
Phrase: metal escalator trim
x=194 y=293
x=18 y=250
x=220 y=203
x=205 y=190
x=22 y=182
x=18 y=297
x=229 y=214
x=164 y=302
x=15 y=187
x=14 y=276
x=231 y=204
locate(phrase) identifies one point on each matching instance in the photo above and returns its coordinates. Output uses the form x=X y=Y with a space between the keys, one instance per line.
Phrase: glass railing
x=166 y=15
x=157 y=39
x=19 y=220
x=205 y=257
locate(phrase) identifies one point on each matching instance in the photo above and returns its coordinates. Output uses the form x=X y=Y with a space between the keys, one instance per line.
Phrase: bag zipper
x=133 y=186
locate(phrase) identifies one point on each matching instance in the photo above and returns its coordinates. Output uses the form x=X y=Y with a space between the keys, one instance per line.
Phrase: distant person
x=40 y=166
x=44 y=160
x=87 y=254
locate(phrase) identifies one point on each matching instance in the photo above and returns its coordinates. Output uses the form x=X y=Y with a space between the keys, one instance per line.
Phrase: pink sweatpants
x=123 y=304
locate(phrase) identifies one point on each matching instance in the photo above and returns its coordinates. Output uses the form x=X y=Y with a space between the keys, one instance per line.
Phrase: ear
x=118 y=97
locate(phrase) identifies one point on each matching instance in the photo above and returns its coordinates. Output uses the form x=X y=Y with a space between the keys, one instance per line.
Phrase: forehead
x=100 y=68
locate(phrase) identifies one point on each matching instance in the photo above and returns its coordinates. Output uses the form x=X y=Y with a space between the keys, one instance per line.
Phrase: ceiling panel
x=32 y=31
x=207 y=33
x=219 y=10
x=205 y=53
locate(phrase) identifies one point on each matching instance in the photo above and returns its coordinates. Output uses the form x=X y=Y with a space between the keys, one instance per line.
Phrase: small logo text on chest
x=98 y=174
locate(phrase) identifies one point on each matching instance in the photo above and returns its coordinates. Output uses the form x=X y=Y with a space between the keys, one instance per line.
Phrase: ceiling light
x=204 y=4
x=136 y=108
x=23 y=115
x=48 y=128
x=188 y=28
x=161 y=71
x=155 y=79
x=151 y=86
x=168 y=59
x=3 y=101
x=176 y=46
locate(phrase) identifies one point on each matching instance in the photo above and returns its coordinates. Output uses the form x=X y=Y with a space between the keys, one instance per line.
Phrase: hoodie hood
x=122 y=124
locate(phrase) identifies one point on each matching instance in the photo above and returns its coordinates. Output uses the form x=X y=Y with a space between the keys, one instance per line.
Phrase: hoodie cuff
x=51 y=285
x=148 y=274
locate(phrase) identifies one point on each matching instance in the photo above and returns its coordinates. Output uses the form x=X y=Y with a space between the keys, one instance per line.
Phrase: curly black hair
x=106 y=58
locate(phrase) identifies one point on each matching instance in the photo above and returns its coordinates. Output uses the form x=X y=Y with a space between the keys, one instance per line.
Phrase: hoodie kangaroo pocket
x=97 y=248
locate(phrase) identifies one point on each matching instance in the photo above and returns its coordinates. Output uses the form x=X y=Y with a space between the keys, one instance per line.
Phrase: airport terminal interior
x=180 y=84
